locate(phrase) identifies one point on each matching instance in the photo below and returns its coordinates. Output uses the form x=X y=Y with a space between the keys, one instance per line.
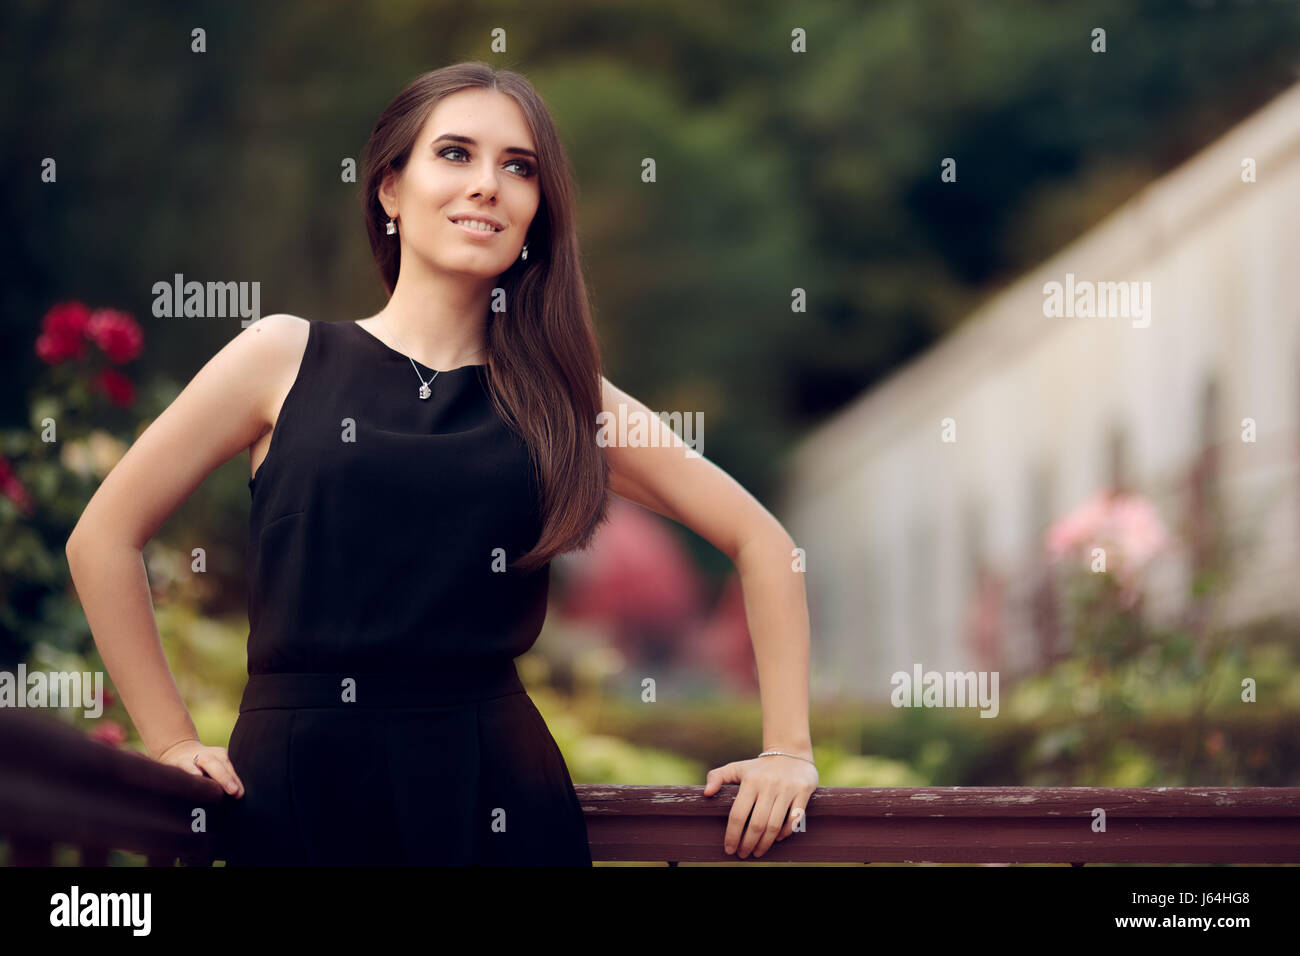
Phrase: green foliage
x=836 y=768
x=71 y=441
x=1126 y=673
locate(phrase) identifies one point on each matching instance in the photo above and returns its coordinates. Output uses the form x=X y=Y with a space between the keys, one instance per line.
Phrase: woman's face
x=476 y=157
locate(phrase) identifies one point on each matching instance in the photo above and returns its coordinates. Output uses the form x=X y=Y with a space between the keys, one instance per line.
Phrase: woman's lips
x=475 y=233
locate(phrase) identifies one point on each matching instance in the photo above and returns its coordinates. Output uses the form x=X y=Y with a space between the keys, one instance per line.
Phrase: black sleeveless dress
x=384 y=722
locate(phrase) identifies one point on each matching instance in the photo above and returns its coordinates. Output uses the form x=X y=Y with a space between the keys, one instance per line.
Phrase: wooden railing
x=59 y=787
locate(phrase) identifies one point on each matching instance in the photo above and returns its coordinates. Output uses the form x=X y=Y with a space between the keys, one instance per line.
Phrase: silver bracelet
x=782 y=753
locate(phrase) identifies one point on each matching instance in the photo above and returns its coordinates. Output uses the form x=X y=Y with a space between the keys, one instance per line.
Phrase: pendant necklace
x=425 y=391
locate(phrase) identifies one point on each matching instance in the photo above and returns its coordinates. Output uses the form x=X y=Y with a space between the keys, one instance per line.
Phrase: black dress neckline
x=366 y=333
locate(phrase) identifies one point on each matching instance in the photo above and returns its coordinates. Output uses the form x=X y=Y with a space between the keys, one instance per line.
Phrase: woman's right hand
x=194 y=758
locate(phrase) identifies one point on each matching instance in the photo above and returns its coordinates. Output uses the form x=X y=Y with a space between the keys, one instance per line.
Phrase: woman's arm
x=696 y=493
x=221 y=412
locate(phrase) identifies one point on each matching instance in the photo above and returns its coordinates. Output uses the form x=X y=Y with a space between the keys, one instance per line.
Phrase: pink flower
x=109 y=732
x=116 y=333
x=115 y=385
x=1076 y=528
x=63 y=332
x=12 y=488
x=1139 y=530
x=1126 y=526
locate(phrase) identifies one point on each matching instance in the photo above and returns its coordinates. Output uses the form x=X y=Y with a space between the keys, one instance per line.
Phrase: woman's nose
x=487 y=185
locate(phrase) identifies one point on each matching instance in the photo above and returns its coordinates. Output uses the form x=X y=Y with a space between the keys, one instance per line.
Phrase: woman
x=412 y=475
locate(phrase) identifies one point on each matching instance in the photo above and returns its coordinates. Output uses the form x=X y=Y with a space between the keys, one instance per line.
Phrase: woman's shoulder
x=282 y=325
x=280 y=344
x=281 y=338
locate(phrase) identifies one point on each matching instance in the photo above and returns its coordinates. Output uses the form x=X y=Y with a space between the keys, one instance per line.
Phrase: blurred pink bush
x=1126 y=526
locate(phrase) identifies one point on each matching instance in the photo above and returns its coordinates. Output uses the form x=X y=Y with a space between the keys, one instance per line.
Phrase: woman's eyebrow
x=457 y=138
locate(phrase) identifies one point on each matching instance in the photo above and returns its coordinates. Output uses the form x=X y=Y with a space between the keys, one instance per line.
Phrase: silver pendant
x=424 y=391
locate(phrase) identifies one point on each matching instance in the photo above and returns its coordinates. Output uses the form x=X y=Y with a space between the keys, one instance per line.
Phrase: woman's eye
x=526 y=168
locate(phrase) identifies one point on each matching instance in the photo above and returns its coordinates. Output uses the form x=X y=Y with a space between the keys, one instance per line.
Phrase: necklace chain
x=424 y=386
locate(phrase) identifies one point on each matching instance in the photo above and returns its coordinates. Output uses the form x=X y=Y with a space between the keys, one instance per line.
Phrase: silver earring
x=524 y=254
x=391 y=228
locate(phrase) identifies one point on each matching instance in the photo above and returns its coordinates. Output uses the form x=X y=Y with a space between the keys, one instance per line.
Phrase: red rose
x=63 y=332
x=54 y=349
x=109 y=732
x=12 y=488
x=116 y=333
x=115 y=385
x=66 y=318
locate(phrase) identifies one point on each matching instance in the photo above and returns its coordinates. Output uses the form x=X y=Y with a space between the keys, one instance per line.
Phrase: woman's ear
x=388 y=193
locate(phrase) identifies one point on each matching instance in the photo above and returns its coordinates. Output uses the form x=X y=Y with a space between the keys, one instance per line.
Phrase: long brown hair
x=543 y=361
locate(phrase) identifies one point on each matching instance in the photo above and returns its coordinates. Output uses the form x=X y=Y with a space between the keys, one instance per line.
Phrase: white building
x=1048 y=410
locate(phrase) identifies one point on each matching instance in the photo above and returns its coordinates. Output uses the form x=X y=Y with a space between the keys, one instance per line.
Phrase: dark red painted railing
x=58 y=787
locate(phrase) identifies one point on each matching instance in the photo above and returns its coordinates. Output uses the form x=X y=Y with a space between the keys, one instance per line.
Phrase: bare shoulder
x=279 y=335
x=275 y=346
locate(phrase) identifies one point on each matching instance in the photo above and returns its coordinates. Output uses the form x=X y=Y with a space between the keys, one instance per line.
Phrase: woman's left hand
x=770 y=787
